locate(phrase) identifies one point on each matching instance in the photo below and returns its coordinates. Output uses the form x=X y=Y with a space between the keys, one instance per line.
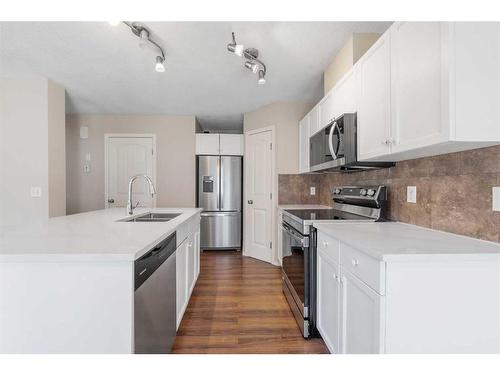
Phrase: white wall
x=175 y=152
x=24 y=148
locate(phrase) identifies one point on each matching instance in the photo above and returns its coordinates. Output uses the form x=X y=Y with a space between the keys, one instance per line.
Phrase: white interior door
x=126 y=157
x=258 y=186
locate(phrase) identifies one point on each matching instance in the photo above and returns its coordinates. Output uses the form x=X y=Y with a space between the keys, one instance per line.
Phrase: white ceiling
x=105 y=72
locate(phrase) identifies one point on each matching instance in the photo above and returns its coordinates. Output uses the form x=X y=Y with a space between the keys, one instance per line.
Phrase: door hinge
x=270 y=146
x=270 y=245
x=152 y=152
x=270 y=195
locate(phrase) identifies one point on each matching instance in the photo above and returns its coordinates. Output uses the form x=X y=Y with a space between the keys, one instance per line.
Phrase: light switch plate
x=84 y=132
x=312 y=190
x=411 y=194
x=87 y=156
x=36 y=191
x=495 y=198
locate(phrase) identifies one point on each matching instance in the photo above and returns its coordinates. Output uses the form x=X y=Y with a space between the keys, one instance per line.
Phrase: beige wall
x=57 y=150
x=29 y=107
x=285 y=117
x=175 y=168
x=349 y=54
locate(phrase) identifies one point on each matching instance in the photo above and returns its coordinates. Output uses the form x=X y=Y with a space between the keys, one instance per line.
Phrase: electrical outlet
x=495 y=198
x=312 y=190
x=36 y=191
x=411 y=194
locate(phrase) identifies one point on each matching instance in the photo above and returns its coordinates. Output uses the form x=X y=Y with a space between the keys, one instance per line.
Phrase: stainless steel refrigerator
x=219 y=193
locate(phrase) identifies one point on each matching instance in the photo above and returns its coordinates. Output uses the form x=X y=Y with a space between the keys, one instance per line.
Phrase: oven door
x=296 y=274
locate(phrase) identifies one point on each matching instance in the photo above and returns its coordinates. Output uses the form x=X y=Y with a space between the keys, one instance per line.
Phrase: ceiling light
x=262 y=77
x=114 y=23
x=254 y=67
x=159 y=67
x=235 y=48
x=143 y=38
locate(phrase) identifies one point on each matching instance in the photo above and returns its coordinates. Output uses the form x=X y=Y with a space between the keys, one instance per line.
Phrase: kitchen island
x=67 y=284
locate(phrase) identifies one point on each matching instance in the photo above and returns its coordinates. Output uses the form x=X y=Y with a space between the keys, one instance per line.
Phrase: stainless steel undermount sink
x=154 y=216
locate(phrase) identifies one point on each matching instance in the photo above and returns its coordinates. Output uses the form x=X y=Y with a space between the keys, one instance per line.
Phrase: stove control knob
x=371 y=192
x=362 y=192
x=336 y=191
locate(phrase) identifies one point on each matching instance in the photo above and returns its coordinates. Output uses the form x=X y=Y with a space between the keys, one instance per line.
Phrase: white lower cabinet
x=328 y=294
x=361 y=318
x=187 y=270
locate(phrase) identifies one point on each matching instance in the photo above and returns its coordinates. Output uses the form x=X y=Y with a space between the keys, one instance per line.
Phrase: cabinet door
x=362 y=317
x=191 y=264
x=304 y=145
x=373 y=120
x=345 y=95
x=181 y=280
x=197 y=259
x=231 y=144
x=328 y=302
x=326 y=108
x=417 y=86
x=314 y=124
x=207 y=144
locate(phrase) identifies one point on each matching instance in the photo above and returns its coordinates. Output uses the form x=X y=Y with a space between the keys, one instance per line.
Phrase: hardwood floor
x=237 y=306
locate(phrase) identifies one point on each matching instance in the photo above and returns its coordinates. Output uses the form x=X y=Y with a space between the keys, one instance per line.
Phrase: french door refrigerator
x=219 y=192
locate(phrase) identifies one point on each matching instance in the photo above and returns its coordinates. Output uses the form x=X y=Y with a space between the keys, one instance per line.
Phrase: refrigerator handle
x=221 y=187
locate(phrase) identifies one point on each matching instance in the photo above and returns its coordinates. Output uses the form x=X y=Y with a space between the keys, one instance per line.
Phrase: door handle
x=111 y=200
x=250 y=201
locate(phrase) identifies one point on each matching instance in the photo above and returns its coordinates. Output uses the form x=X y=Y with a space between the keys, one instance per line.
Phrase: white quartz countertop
x=399 y=241
x=90 y=236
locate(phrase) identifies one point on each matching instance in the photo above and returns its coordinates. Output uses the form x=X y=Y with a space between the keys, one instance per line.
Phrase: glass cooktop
x=324 y=214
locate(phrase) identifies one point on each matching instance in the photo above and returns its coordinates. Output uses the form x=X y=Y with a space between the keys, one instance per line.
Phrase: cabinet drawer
x=370 y=270
x=328 y=246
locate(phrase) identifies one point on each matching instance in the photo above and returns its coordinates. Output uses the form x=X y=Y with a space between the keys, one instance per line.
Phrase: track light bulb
x=262 y=77
x=237 y=49
x=254 y=67
x=159 y=67
x=143 y=38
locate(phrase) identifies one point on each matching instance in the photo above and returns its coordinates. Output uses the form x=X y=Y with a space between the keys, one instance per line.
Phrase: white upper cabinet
x=443 y=91
x=314 y=123
x=326 y=107
x=231 y=144
x=373 y=77
x=219 y=144
x=207 y=144
x=417 y=91
x=344 y=100
x=304 y=144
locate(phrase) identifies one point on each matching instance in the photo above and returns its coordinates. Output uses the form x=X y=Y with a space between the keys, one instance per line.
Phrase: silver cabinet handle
x=250 y=201
x=111 y=200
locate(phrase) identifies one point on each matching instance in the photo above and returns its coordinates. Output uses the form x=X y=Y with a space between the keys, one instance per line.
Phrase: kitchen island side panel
x=66 y=307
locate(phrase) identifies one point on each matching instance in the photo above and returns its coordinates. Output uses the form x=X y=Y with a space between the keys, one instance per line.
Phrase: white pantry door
x=258 y=223
x=126 y=157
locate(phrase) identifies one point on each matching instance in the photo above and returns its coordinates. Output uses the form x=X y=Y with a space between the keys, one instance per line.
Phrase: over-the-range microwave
x=334 y=148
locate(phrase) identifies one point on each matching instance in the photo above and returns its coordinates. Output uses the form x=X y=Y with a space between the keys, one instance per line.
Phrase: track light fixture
x=252 y=59
x=144 y=35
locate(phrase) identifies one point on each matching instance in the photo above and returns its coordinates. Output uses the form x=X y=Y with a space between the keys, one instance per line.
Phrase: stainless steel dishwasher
x=155 y=299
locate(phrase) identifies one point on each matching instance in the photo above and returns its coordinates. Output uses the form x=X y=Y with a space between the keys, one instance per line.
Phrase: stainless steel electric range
x=350 y=203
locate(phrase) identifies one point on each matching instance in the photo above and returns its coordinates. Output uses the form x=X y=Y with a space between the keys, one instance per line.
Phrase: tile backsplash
x=454 y=191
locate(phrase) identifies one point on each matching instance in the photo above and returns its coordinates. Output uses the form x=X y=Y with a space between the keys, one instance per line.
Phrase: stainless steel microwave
x=334 y=148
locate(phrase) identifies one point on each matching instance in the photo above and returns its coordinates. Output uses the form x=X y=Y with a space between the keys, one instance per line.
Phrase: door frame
x=274 y=251
x=107 y=137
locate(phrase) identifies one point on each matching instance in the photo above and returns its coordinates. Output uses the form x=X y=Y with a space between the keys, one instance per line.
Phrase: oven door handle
x=304 y=241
